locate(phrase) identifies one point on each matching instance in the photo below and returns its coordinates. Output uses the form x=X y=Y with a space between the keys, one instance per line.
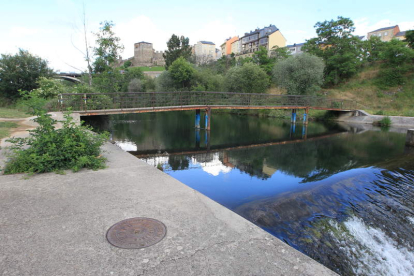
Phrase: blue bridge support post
x=293 y=120
x=207 y=118
x=306 y=116
x=197 y=137
x=197 y=119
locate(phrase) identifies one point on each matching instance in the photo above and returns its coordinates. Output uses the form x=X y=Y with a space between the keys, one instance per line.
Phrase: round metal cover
x=136 y=233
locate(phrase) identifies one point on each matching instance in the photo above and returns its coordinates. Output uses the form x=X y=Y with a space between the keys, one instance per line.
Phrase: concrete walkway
x=54 y=224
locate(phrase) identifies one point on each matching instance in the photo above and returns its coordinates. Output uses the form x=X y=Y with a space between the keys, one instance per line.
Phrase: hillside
x=364 y=88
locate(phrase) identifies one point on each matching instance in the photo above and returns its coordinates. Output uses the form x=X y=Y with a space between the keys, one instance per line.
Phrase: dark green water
x=341 y=195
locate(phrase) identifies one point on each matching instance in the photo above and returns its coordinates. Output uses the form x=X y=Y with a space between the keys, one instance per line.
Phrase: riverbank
x=366 y=118
x=62 y=220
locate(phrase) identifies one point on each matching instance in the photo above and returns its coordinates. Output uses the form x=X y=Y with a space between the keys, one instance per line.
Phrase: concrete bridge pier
x=197 y=119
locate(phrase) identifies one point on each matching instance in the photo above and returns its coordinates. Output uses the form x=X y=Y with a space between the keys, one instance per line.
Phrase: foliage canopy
x=20 y=72
x=339 y=48
x=108 y=47
x=177 y=47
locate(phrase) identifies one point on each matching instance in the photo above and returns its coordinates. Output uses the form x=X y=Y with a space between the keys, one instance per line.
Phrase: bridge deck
x=140 y=102
x=190 y=107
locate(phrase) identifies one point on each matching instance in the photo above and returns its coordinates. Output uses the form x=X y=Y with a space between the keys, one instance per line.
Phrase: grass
x=12 y=113
x=5 y=128
x=392 y=101
x=154 y=68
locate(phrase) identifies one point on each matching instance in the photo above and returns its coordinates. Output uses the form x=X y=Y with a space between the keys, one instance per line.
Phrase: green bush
x=49 y=149
x=384 y=122
x=299 y=75
x=248 y=78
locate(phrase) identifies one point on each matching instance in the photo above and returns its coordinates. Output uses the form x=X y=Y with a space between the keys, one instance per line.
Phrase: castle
x=144 y=55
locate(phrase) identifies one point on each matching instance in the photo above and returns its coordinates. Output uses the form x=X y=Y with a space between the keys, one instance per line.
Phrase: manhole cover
x=136 y=233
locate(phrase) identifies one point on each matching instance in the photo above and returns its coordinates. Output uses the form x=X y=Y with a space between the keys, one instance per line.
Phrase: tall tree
x=20 y=72
x=108 y=47
x=177 y=47
x=340 y=49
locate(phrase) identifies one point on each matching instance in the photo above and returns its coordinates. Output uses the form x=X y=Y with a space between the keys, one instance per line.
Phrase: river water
x=341 y=195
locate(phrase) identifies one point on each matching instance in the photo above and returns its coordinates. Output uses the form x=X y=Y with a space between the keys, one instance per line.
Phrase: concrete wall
x=362 y=117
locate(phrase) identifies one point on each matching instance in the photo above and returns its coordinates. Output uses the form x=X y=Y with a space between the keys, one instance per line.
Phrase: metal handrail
x=122 y=100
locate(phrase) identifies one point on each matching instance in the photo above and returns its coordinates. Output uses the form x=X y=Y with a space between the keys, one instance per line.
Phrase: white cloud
x=18 y=32
x=138 y=29
x=215 y=31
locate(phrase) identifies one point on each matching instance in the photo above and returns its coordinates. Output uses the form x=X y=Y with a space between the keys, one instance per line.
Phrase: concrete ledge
x=56 y=224
x=366 y=118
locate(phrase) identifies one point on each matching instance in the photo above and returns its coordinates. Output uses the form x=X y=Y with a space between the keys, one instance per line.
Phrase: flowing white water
x=373 y=252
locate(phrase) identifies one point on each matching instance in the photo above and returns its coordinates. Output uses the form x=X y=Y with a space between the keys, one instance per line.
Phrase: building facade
x=295 y=49
x=204 y=52
x=226 y=46
x=267 y=37
x=385 y=34
x=236 y=47
x=144 y=55
x=400 y=36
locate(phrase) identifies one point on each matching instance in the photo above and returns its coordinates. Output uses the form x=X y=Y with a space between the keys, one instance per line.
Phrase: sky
x=53 y=29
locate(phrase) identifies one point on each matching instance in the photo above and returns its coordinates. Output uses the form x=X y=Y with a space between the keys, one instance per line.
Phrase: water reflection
x=342 y=195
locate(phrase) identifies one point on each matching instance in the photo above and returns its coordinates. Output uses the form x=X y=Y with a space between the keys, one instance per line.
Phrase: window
x=386 y=33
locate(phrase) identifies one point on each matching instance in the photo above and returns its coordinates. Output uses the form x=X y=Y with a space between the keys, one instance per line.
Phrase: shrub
x=134 y=85
x=248 y=78
x=384 y=122
x=164 y=82
x=299 y=75
x=49 y=149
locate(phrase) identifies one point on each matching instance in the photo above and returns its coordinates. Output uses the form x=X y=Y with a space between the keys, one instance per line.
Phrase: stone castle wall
x=144 y=55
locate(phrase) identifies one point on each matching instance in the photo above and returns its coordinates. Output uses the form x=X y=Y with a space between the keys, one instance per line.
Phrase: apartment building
x=385 y=34
x=204 y=52
x=267 y=37
x=226 y=46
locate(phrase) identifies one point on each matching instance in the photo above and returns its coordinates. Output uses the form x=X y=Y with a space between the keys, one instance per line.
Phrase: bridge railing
x=104 y=101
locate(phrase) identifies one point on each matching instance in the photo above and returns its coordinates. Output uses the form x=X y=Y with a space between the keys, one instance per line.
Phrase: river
x=342 y=195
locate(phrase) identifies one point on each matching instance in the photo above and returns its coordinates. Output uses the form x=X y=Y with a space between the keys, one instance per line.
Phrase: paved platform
x=54 y=224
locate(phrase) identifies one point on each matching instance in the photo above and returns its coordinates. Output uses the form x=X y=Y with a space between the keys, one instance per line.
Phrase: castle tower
x=143 y=54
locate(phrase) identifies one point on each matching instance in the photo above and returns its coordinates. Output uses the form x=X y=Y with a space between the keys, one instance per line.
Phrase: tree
x=108 y=47
x=248 y=78
x=164 y=82
x=372 y=48
x=280 y=53
x=300 y=74
x=177 y=47
x=20 y=72
x=398 y=61
x=340 y=50
x=181 y=73
x=262 y=58
x=409 y=38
